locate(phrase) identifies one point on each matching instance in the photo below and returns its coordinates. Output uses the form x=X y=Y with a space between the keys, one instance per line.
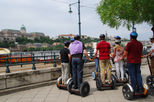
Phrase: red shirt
x=104 y=50
x=134 y=49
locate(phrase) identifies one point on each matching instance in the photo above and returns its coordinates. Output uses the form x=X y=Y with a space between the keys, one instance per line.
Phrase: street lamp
x=70 y=11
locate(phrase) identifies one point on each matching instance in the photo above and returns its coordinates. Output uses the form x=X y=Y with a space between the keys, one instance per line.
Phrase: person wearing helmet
x=117 y=54
x=133 y=52
x=77 y=50
x=104 y=58
x=65 y=59
x=151 y=54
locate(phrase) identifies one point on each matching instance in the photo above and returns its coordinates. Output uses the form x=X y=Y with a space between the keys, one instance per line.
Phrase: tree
x=117 y=13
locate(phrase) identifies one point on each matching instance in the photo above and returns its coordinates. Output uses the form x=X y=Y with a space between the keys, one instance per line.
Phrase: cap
x=117 y=37
x=72 y=39
x=133 y=34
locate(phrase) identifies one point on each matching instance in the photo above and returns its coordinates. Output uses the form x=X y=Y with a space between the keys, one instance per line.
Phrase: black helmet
x=102 y=36
x=67 y=43
x=77 y=37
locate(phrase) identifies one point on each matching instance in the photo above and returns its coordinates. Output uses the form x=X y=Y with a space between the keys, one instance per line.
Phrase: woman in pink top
x=117 y=54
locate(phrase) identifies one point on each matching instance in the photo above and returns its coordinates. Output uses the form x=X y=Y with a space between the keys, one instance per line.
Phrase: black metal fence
x=31 y=58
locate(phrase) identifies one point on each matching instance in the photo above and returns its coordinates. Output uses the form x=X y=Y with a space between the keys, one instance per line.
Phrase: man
x=65 y=59
x=133 y=52
x=104 y=59
x=151 y=54
x=76 y=50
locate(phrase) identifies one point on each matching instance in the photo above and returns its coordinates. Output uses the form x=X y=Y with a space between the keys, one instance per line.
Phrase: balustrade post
x=7 y=65
x=33 y=62
x=54 y=65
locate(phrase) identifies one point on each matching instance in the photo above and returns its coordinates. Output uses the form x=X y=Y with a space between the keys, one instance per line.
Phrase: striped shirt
x=104 y=50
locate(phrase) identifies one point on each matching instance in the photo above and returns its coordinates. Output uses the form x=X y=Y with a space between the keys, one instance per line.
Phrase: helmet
x=77 y=37
x=102 y=36
x=117 y=37
x=72 y=39
x=66 y=43
x=133 y=34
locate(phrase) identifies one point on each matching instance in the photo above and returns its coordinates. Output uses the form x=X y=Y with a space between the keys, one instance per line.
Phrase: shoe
x=75 y=87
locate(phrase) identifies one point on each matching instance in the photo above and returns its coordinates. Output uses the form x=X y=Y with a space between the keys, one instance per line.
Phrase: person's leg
x=139 y=77
x=67 y=71
x=102 y=71
x=97 y=64
x=108 y=71
x=62 y=71
x=121 y=69
x=152 y=65
x=131 y=70
x=79 y=71
x=74 y=72
x=117 y=70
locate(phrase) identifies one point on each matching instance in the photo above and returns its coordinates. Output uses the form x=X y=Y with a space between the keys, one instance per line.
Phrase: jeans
x=77 y=71
x=119 y=69
x=97 y=64
x=135 y=75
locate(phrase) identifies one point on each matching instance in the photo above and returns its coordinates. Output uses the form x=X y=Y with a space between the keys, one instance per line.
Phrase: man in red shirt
x=133 y=51
x=104 y=59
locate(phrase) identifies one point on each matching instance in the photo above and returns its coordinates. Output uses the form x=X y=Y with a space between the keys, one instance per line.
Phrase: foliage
x=7 y=44
x=126 y=12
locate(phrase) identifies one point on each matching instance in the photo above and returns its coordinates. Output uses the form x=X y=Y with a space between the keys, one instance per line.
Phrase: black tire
x=150 y=81
x=69 y=86
x=84 y=89
x=113 y=81
x=127 y=93
x=59 y=81
x=98 y=83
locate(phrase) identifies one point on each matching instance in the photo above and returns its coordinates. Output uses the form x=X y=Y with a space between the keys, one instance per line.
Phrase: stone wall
x=12 y=80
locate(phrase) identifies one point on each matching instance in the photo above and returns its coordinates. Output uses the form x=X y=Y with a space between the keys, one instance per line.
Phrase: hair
x=67 y=43
x=102 y=37
x=77 y=37
x=133 y=37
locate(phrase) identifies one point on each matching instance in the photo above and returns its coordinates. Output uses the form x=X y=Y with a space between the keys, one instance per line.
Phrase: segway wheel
x=128 y=93
x=113 y=82
x=93 y=76
x=69 y=86
x=84 y=89
x=98 y=84
x=150 y=81
x=59 y=81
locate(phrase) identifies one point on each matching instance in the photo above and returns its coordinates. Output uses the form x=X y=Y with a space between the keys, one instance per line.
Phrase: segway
x=60 y=85
x=84 y=88
x=83 y=91
x=150 y=78
x=101 y=86
x=129 y=93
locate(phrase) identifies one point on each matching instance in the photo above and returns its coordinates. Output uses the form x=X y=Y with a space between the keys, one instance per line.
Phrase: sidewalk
x=52 y=94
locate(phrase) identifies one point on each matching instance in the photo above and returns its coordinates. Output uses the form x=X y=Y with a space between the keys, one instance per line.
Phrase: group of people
x=71 y=55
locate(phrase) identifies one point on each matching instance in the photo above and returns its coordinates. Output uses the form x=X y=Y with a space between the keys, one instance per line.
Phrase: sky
x=52 y=18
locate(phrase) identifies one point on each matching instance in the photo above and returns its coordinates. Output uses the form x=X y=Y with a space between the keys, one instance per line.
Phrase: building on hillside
x=66 y=36
x=11 y=34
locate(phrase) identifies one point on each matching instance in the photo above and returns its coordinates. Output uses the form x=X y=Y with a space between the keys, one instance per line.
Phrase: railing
x=31 y=58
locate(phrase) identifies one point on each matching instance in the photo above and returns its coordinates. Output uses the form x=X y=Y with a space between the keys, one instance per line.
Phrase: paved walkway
x=52 y=94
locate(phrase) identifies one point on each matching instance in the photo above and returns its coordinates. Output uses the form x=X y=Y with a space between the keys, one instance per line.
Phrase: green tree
x=117 y=13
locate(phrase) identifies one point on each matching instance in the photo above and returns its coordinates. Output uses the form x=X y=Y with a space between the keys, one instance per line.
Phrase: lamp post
x=70 y=11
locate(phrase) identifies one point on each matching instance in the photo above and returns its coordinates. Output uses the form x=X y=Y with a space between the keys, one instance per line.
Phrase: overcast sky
x=52 y=18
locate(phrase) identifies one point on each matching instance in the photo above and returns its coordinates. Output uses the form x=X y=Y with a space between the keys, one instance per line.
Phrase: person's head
x=77 y=37
x=66 y=43
x=133 y=35
x=72 y=39
x=117 y=37
x=102 y=36
x=152 y=39
x=117 y=41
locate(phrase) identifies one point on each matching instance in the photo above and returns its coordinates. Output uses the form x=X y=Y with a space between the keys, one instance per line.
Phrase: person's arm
x=124 y=55
x=149 y=53
x=86 y=54
x=69 y=57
